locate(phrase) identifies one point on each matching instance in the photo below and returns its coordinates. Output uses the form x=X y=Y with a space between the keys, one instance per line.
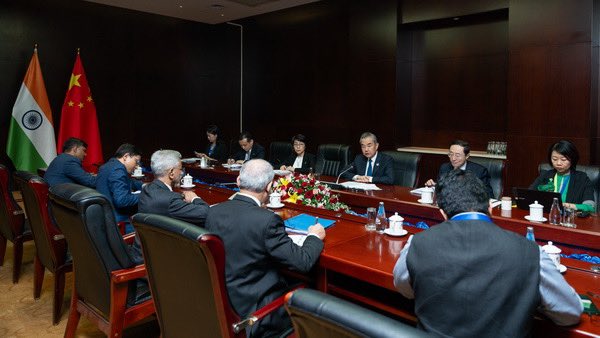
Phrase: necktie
x=369 y=168
x=247 y=157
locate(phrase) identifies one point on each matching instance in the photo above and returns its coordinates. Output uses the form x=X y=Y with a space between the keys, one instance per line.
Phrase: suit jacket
x=383 y=168
x=580 y=187
x=157 y=198
x=256 y=247
x=115 y=183
x=478 y=170
x=219 y=153
x=257 y=151
x=308 y=162
x=66 y=168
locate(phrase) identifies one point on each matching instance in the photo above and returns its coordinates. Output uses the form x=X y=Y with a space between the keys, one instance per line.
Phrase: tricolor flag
x=31 y=143
x=78 y=117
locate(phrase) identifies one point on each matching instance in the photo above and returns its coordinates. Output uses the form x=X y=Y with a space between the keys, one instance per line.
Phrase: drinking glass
x=371 y=215
x=568 y=218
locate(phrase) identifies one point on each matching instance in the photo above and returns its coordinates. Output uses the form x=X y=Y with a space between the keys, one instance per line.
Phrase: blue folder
x=300 y=223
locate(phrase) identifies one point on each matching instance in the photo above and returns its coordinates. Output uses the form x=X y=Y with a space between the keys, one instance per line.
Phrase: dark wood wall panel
x=157 y=81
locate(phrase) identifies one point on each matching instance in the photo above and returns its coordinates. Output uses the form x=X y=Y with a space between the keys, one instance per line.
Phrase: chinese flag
x=79 y=119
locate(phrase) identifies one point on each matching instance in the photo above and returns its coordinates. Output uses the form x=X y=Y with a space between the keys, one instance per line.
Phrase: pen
x=316 y=220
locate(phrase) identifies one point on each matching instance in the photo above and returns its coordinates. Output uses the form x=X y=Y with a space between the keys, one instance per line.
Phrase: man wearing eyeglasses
x=459 y=155
x=115 y=183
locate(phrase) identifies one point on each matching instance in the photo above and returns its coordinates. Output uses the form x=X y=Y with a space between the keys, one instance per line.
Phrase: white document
x=418 y=191
x=360 y=186
x=298 y=239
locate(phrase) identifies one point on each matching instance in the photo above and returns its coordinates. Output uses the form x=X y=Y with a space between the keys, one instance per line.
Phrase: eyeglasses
x=299 y=144
x=455 y=155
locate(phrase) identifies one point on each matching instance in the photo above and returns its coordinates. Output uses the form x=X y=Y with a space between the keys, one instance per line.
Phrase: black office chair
x=50 y=243
x=592 y=171
x=496 y=169
x=406 y=172
x=316 y=314
x=188 y=280
x=332 y=158
x=108 y=287
x=279 y=152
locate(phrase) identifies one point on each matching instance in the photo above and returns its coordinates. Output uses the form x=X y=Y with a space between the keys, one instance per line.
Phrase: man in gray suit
x=257 y=246
x=158 y=197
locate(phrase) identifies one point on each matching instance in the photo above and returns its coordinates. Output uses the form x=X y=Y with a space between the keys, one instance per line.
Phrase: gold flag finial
x=78 y=50
x=35 y=47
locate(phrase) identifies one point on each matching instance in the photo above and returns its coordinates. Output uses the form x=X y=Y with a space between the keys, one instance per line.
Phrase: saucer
x=420 y=200
x=388 y=231
x=138 y=176
x=275 y=206
x=562 y=268
x=542 y=220
x=187 y=186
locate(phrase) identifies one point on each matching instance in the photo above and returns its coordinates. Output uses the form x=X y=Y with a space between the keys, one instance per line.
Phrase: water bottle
x=529 y=234
x=381 y=220
x=554 y=212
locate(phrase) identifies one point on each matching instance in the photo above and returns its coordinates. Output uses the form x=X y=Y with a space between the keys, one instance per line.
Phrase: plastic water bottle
x=554 y=212
x=529 y=234
x=381 y=220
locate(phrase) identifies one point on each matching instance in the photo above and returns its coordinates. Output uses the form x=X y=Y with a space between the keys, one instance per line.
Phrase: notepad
x=301 y=223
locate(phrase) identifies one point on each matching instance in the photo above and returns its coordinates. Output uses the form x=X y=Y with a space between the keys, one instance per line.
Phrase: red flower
x=309 y=194
x=319 y=197
x=333 y=200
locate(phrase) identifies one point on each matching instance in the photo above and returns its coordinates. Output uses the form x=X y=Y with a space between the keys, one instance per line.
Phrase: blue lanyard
x=471 y=216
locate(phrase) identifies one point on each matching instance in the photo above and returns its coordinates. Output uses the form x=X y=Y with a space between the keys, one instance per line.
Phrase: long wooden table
x=357 y=265
x=583 y=239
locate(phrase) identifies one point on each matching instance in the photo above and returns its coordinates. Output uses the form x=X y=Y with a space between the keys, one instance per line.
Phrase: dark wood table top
x=370 y=257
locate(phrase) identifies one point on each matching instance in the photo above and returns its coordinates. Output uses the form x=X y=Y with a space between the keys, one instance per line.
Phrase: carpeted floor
x=22 y=316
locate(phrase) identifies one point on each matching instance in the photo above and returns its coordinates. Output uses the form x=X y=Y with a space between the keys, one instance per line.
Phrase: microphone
x=343 y=171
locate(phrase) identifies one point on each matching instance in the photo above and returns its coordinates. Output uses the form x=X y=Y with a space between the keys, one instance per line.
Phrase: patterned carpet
x=22 y=316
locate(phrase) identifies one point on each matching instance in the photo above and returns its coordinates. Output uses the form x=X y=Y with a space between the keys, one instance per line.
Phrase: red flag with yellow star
x=78 y=118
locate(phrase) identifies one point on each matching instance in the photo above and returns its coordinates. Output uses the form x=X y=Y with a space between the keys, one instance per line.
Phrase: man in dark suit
x=257 y=246
x=115 y=183
x=250 y=150
x=158 y=197
x=66 y=167
x=371 y=166
x=459 y=155
x=470 y=278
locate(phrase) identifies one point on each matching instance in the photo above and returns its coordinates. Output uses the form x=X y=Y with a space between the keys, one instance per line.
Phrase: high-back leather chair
x=592 y=171
x=332 y=158
x=497 y=173
x=13 y=225
x=188 y=280
x=406 y=165
x=107 y=285
x=316 y=314
x=50 y=243
x=279 y=152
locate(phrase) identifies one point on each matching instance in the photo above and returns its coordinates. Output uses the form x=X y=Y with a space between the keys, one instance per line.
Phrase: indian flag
x=31 y=143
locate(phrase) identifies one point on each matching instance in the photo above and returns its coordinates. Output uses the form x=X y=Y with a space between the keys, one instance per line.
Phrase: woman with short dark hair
x=215 y=150
x=574 y=186
x=300 y=161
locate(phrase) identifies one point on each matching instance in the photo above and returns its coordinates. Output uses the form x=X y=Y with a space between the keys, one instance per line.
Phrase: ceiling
x=206 y=11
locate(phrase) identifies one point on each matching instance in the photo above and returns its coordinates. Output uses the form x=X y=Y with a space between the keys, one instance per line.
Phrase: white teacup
x=275 y=199
x=506 y=203
x=203 y=162
x=427 y=195
x=553 y=252
x=536 y=211
x=396 y=223
x=137 y=171
x=186 y=181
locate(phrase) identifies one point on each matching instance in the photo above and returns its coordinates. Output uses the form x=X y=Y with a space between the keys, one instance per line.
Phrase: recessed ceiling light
x=180 y=6
x=217 y=6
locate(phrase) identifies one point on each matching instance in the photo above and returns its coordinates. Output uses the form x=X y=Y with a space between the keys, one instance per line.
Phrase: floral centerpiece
x=302 y=189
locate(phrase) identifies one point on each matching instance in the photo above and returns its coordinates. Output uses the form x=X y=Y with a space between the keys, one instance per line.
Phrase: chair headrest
x=75 y=196
x=28 y=177
x=169 y=224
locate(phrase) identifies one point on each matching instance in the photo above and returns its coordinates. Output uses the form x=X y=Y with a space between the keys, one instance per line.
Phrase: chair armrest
x=126 y=275
x=129 y=238
x=259 y=314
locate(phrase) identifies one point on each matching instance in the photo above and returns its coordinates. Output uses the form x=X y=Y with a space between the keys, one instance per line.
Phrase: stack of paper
x=360 y=186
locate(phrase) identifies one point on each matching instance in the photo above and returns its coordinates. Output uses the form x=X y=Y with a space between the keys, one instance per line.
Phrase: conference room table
x=357 y=265
x=585 y=238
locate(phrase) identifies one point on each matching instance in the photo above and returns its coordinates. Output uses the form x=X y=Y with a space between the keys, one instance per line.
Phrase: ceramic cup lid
x=551 y=249
x=396 y=218
x=536 y=205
